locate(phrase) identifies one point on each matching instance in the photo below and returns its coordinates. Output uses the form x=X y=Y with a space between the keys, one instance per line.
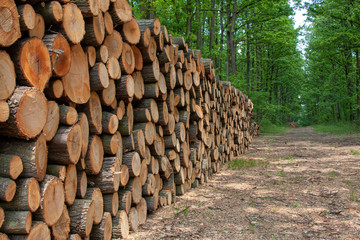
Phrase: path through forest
x=298 y=185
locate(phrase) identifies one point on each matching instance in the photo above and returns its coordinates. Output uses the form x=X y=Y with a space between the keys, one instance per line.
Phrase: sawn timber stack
x=104 y=118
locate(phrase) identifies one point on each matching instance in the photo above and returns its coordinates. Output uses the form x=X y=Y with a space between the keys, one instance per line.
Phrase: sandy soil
x=305 y=185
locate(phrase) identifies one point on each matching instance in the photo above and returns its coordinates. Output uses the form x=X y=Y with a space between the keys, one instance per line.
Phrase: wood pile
x=104 y=118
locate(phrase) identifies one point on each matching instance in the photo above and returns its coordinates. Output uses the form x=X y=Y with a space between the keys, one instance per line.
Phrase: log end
x=34 y=196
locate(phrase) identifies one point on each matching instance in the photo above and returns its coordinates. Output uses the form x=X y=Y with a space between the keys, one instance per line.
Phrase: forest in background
x=254 y=44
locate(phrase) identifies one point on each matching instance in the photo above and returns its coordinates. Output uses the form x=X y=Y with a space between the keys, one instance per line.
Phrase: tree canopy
x=255 y=45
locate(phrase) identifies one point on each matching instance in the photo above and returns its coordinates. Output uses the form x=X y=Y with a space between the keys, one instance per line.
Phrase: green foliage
x=247 y=163
x=341 y=128
x=268 y=128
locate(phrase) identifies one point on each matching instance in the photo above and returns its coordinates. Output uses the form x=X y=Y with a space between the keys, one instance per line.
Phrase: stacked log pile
x=104 y=118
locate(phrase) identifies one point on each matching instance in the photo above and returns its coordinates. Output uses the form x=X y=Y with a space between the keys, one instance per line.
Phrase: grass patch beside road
x=338 y=128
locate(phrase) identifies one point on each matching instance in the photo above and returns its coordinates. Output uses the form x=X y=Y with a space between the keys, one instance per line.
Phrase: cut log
x=94 y=30
x=95 y=195
x=73 y=22
x=108 y=95
x=58 y=171
x=111 y=203
x=111 y=143
x=127 y=60
x=139 y=88
x=149 y=52
x=139 y=142
x=149 y=131
x=148 y=188
x=76 y=82
x=142 y=211
x=134 y=219
x=39 y=230
x=7 y=189
x=28 y=113
x=99 y=77
x=11 y=166
x=84 y=125
x=143 y=173
x=138 y=58
x=32 y=62
x=2 y=217
x=134 y=185
x=82 y=215
x=4 y=111
x=144 y=37
x=125 y=88
x=61 y=229
x=151 y=72
x=39 y=28
x=142 y=115
x=113 y=68
x=7 y=74
x=120 y=225
x=52 y=200
x=152 y=202
x=120 y=11
x=65 y=147
x=109 y=25
x=52 y=122
x=93 y=111
x=158 y=147
x=133 y=161
x=152 y=106
x=125 y=200
x=82 y=184
x=104 y=229
x=88 y=8
x=94 y=156
x=9 y=21
x=68 y=115
x=91 y=55
x=54 y=90
x=108 y=180
x=51 y=11
x=70 y=184
x=124 y=176
x=131 y=31
x=153 y=24
x=27 y=196
x=114 y=44
x=102 y=54
x=27 y=17
x=110 y=122
x=17 y=222
x=32 y=153
x=153 y=167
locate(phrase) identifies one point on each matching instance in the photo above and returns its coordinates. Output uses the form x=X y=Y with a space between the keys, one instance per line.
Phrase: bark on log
x=82 y=215
x=95 y=195
x=104 y=229
x=120 y=225
x=65 y=147
x=27 y=17
x=93 y=111
x=94 y=30
x=108 y=180
x=7 y=189
x=111 y=203
x=11 y=166
x=68 y=115
x=52 y=200
x=17 y=222
x=81 y=184
x=51 y=11
x=61 y=229
x=125 y=200
x=32 y=153
x=134 y=185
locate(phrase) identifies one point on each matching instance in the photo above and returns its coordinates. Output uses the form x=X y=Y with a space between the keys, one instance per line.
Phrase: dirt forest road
x=298 y=185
